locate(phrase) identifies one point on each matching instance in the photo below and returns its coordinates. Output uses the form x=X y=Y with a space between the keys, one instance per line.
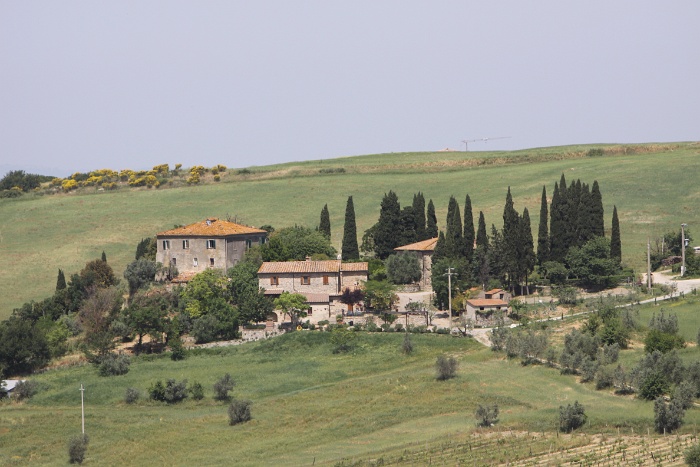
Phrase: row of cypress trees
x=574 y=217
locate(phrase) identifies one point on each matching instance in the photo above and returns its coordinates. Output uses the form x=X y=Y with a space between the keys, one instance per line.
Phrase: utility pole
x=449 y=275
x=648 y=265
x=683 y=226
x=82 y=405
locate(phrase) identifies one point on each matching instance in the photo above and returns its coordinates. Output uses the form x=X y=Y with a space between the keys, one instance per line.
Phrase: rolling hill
x=654 y=187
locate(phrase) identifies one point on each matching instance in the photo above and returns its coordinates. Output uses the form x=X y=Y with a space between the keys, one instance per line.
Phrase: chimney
x=308 y=258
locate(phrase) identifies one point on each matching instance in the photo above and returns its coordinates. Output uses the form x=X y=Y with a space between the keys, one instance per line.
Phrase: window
x=305 y=280
x=274 y=280
x=310 y=311
x=195 y=263
x=325 y=280
x=211 y=262
x=166 y=244
x=211 y=244
x=185 y=244
x=248 y=243
x=173 y=261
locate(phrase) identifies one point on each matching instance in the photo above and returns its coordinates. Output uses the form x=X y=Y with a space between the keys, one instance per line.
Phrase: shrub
x=177 y=349
x=667 y=417
x=571 y=417
x=175 y=391
x=222 y=387
x=238 y=411
x=684 y=394
x=114 y=364
x=653 y=386
x=77 y=447
x=407 y=346
x=132 y=395
x=197 y=391
x=343 y=339
x=589 y=368
x=446 y=367
x=205 y=329
x=486 y=416
x=610 y=354
x=692 y=456
x=157 y=391
x=25 y=389
x=662 y=341
x=604 y=378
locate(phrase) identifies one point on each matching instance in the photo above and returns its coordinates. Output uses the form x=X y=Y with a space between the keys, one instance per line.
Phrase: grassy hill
x=654 y=187
x=314 y=407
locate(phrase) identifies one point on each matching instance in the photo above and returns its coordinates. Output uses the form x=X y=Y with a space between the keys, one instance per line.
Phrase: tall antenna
x=485 y=140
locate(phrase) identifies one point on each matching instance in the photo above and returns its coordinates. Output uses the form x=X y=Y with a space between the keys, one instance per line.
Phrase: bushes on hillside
x=239 y=411
x=114 y=364
x=77 y=447
x=222 y=387
x=571 y=417
x=486 y=415
x=173 y=391
x=446 y=367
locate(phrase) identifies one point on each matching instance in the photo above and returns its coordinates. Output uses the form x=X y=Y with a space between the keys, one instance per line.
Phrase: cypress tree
x=526 y=245
x=104 y=257
x=571 y=215
x=325 y=224
x=431 y=229
x=440 y=251
x=597 y=212
x=543 y=231
x=468 y=229
x=453 y=232
x=385 y=238
x=615 y=241
x=407 y=227
x=557 y=252
x=350 y=250
x=419 y=215
x=584 y=226
x=511 y=240
x=482 y=239
x=60 y=280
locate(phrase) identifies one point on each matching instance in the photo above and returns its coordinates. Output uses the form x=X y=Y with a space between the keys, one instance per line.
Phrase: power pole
x=82 y=405
x=683 y=226
x=449 y=275
x=648 y=265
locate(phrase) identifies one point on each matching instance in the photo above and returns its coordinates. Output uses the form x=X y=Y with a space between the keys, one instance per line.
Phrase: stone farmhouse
x=487 y=302
x=322 y=282
x=211 y=243
x=424 y=250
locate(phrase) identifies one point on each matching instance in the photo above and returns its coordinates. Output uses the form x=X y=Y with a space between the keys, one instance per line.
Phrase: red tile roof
x=478 y=302
x=211 y=227
x=425 y=245
x=330 y=266
x=494 y=291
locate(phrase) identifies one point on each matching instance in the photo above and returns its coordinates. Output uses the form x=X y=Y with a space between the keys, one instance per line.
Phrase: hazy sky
x=131 y=84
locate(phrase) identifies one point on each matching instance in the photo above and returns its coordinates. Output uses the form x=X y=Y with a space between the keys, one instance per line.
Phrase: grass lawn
x=309 y=405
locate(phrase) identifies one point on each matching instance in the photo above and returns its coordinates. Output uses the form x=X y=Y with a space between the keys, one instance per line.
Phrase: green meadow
x=314 y=407
x=654 y=187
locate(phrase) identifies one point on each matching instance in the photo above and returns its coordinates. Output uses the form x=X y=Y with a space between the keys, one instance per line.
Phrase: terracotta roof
x=211 y=227
x=316 y=297
x=487 y=302
x=310 y=266
x=425 y=245
x=494 y=291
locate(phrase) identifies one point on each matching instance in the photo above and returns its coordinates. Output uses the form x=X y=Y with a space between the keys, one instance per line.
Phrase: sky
x=86 y=85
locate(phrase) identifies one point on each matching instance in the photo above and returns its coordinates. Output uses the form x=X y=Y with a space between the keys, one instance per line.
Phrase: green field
x=653 y=186
x=313 y=406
